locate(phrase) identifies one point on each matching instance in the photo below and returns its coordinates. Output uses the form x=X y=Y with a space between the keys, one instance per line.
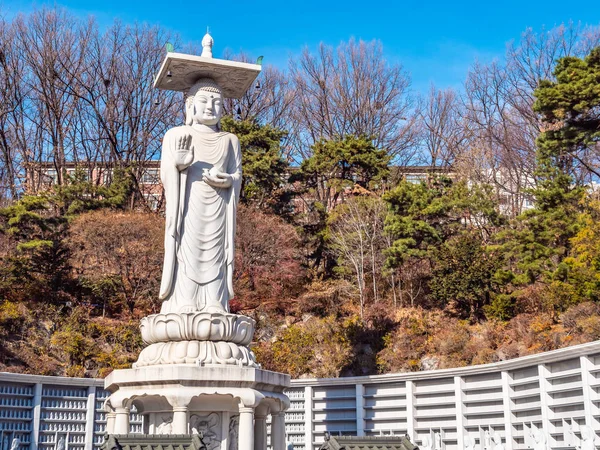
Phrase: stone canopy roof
x=368 y=443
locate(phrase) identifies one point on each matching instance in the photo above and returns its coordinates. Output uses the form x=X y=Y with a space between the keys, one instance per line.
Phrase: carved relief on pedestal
x=209 y=426
x=234 y=428
x=166 y=424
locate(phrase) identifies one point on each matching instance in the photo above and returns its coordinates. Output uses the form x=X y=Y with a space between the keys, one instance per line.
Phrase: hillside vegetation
x=348 y=264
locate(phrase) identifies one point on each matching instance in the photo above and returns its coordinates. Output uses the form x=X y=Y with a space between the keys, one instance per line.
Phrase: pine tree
x=265 y=169
x=568 y=106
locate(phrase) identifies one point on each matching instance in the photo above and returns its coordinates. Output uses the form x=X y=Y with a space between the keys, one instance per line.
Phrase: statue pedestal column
x=246 y=429
x=122 y=421
x=260 y=432
x=278 y=431
x=180 y=420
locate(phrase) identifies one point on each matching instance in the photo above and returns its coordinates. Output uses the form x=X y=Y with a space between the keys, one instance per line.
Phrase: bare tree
x=443 y=130
x=75 y=96
x=356 y=237
x=122 y=117
x=267 y=101
x=11 y=108
x=352 y=90
x=51 y=40
x=498 y=99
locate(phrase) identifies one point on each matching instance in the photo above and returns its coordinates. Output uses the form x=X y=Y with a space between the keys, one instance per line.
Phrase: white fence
x=554 y=392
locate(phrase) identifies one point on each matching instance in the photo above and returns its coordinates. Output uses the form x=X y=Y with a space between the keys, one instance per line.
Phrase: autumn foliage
x=349 y=263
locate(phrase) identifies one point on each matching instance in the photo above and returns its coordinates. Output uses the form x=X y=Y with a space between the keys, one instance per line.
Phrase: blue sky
x=436 y=41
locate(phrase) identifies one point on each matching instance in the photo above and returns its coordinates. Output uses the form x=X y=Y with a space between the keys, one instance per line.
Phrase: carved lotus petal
x=193 y=348
x=203 y=326
x=196 y=352
x=197 y=326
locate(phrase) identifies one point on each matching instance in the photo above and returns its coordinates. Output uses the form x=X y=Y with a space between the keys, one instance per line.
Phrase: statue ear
x=189 y=111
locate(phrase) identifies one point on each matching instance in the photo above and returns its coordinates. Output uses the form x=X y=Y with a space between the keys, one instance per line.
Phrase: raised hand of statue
x=184 y=151
x=217 y=179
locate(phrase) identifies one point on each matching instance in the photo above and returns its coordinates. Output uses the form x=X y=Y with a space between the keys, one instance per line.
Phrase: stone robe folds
x=200 y=221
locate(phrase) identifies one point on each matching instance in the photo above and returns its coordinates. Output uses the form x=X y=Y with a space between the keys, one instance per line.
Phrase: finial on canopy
x=207 y=44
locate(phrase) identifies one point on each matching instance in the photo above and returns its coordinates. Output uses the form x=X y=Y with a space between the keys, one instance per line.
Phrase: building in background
x=41 y=177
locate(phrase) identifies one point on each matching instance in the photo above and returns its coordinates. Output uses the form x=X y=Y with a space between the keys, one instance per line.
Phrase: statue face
x=208 y=107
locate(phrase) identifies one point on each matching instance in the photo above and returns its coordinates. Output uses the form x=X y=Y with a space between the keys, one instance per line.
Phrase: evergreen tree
x=265 y=169
x=445 y=225
x=39 y=225
x=339 y=164
x=463 y=275
x=536 y=248
x=424 y=215
x=335 y=167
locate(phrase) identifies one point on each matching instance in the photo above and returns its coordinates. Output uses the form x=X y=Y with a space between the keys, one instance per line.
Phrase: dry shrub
x=451 y=344
x=119 y=256
x=486 y=337
x=24 y=358
x=313 y=348
x=531 y=299
x=328 y=297
x=532 y=333
x=582 y=322
x=429 y=340
x=14 y=319
x=267 y=259
x=332 y=350
x=407 y=344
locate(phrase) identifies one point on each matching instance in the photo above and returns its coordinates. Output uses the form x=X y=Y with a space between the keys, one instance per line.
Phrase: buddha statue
x=201 y=172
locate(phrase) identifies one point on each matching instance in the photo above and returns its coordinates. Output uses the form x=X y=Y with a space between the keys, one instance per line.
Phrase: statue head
x=204 y=103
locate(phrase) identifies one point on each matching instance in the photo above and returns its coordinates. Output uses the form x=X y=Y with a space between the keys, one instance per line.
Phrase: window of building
x=50 y=176
x=150 y=176
x=414 y=178
x=82 y=174
x=152 y=200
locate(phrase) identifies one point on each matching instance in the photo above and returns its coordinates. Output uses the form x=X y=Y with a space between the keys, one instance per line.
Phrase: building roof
x=153 y=442
x=368 y=443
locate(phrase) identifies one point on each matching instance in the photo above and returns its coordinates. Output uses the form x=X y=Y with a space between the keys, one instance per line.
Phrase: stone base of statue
x=197 y=338
x=198 y=376
x=220 y=402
